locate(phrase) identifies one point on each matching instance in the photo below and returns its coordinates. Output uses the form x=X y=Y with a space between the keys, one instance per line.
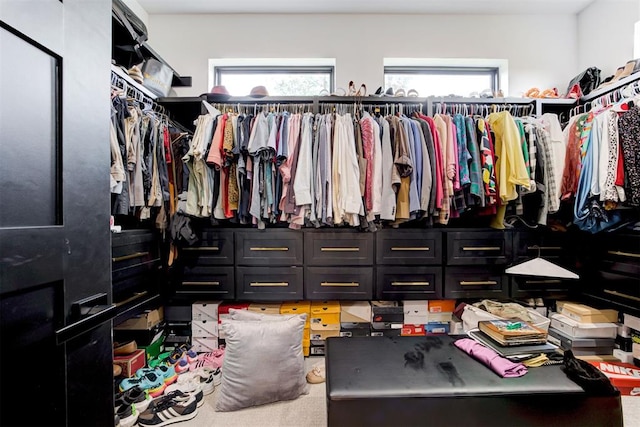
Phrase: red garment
x=571 y=162
x=620 y=169
x=366 y=129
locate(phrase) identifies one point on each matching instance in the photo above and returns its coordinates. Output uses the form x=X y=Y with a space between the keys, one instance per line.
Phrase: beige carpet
x=311 y=411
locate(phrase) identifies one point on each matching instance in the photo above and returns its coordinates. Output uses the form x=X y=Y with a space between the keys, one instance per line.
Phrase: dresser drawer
x=328 y=283
x=617 y=287
x=133 y=247
x=409 y=247
x=269 y=283
x=338 y=248
x=555 y=247
x=622 y=254
x=269 y=247
x=213 y=248
x=214 y=281
x=475 y=282
x=478 y=248
x=407 y=283
x=542 y=287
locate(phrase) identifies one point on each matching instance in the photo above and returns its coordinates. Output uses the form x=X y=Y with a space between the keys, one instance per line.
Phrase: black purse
x=588 y=80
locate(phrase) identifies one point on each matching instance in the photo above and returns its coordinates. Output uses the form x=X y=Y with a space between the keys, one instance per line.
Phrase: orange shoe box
x=130 y=363
x=624 y=376
x=442 y=305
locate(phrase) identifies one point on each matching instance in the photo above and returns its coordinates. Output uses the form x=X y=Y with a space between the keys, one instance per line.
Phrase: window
x=279 y=80
x=442 y=81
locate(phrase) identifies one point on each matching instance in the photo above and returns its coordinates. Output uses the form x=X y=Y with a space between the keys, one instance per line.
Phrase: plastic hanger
x=540 y=267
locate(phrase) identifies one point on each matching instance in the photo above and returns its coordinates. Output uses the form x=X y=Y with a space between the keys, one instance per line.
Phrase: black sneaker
x=127 y=415
x=168 y=411
x=134 y=396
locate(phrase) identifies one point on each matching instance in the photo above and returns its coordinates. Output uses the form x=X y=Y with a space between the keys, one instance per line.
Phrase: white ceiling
x=365 y=6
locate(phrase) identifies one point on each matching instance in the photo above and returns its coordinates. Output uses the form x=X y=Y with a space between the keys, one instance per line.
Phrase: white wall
x=541 y=50
x=606 y=34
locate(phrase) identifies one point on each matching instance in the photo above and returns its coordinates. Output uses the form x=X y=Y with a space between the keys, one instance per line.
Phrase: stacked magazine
x=513 y=333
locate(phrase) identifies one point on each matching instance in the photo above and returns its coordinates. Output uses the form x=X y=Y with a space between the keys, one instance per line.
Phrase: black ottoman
x=426 y=381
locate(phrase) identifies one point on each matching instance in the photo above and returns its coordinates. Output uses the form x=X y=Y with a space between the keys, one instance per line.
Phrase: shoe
x=412 y=93
x=316 y=375
x=128 y=415
x=161 y=359
x=167 y=373
x=193 y=388
x=208 y=365
x=116 y=421
x=124 y=348
x=539 y=302
x=389 y=92
x=152 y=383
x=217 y=354
x=352 y=89
x=182 y=366
x=190 y=353
x=134 y=396
x=378 y=92
x=117 y=370
x=175 y=356
x=169 y=411
x=205 y=377
x=531 y=302
x=362 y=91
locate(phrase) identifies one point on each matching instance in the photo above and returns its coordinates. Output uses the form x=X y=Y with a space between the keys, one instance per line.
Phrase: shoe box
x=142 y=337
x=204 y=325
x=386 y=329
x=324 y=321
x=223 y=313
x=409 y=330
x=442 y=306
x=355 y=329
x=355 y=312
x=387 y=311
x=581 y=346
x=437 y=328
x=415 y=312
x=265 y=308
x=300 y=307
x=130 y=363
x=624 y=376
x=145 y=320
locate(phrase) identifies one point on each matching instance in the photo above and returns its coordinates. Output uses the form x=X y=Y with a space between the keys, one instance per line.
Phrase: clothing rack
x=606 y=99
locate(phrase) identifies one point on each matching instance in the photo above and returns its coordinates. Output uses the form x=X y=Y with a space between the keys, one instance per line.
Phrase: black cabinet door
x=54 y=212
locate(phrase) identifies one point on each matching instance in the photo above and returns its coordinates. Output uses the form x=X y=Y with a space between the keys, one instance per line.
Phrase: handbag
x=588 y=80
x=157 y=77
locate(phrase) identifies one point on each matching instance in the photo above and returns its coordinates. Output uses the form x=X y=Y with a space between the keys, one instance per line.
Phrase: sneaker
x=217 y=354
x=176 y=355
x=128 y=415
x=168 y=373
x=169 y=411
x=539 y=302
x=161 y=359
x=208 y=364
x=192 y=387
x=150 y=382
x=316 y=375
x=190 y=354
x=182 y=366
x=205 y=377
x=134 y=396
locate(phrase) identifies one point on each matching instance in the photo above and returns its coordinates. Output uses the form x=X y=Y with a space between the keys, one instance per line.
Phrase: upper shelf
x=610 y=88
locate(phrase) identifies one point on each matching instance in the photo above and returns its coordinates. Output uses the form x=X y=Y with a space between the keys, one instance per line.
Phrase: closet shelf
x=120 y=72
x=610 y=88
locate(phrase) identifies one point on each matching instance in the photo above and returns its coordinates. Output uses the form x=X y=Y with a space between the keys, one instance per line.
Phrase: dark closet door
x=55 y=298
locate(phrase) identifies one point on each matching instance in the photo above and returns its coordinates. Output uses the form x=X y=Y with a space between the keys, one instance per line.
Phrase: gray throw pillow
x=263 y=362
x=254 y=315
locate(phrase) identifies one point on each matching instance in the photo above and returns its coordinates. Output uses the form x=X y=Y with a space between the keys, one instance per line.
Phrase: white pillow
x=263 y=362
x=253 y=315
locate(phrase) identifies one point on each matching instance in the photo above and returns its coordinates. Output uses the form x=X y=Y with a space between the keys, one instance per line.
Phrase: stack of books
x=513 y=333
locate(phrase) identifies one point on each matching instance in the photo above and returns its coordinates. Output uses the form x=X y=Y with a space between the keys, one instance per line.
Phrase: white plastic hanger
x=540 y=267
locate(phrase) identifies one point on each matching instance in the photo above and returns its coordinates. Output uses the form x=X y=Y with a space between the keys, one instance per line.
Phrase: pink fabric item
x=366 y=127
x=498 y=364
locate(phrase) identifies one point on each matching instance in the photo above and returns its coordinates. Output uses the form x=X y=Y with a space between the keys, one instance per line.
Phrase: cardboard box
x=130 y=363
x=635 y=350
x=155 y=348
x=143 y=337
x=592 y=345
x=632 y=322
x=324 y=327
x=415 y=319
x=386 y=332
x=145 y=320
x=623 y=356
x=413 y=331
x=306 y=345
x=295 y=307
x=306 y=334
x=387 y=311
x=204 y=345
x=436 y=328
x=357 y=329
x=624 y=376
x=223 y=309
x=205 y=310
x=442 y=305
x=325 y=312
x=583 y=330
x=316 y=350
x=265 y=308
x=385 y=325
x=415 y=307
x=585 y=314
x=355 y=312
x=204 y=328
x=440 y=317
x=324 y=334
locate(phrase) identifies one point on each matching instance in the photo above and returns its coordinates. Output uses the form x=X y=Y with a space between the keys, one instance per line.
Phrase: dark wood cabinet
x=475 y=282
x=478 y=247
x=338 y=248
x=268 y=247
x=409 y=247
x=269 y=283
x=403 y=283
x=338 y=283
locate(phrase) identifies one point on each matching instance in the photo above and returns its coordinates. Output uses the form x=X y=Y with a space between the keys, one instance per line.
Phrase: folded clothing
x=498 y=364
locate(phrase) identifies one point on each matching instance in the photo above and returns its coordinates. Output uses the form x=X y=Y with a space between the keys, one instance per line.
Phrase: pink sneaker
x=216 y=355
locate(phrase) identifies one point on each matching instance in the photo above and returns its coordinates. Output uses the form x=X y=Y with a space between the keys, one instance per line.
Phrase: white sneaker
x=204 y=377
x=192 y=388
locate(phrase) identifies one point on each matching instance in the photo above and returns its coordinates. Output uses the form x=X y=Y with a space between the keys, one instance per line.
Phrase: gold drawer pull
x=536 y=282
x=481 y=248
x=280 y=284
x=323 y=249
x=202 y=283
x=479 y=283
x=627 y=254
x=203 y=248
x=343 y=284
x=417 y=248
x=269 y=249
x=620 y=294
x=130 y=256
x=409 y=283
x=544 y=248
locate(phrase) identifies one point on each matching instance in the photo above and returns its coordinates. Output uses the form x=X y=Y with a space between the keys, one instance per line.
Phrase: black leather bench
x=426 y=381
